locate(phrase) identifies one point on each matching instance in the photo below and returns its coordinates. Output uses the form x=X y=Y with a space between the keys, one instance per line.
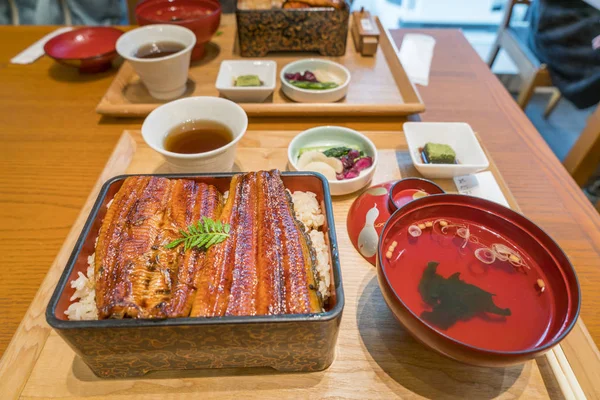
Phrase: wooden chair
x=584 y=157
x=532 y=72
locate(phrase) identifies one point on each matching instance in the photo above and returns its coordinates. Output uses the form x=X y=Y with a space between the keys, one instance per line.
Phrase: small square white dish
x=231 y=69
x=459 y=135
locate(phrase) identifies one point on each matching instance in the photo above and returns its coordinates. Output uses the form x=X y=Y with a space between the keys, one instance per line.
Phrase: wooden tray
x=379 y=84
x=375 y=357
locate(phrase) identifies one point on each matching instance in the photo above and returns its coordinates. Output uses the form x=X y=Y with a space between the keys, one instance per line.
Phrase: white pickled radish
x=322 y=168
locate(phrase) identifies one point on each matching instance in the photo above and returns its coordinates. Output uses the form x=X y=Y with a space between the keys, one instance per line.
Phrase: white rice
x=307 y=211
x=323 y=265
x=84 y=298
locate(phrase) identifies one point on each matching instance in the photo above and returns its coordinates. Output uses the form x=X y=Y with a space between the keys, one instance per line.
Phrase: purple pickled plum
x=309 y=77
x=347 y=162
x=353 y=154
x=363 y=163
x=293 y=76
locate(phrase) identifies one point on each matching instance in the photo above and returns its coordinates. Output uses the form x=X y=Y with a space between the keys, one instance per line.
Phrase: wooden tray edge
x=279 y=110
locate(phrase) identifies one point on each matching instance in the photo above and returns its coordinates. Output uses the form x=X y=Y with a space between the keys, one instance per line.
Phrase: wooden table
x=53 y=146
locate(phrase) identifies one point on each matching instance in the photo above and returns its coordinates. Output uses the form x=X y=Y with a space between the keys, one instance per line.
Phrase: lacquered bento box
x=119 y=348
x=323 y=30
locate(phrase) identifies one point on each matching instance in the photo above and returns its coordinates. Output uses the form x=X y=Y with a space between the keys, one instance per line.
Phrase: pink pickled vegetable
x=363 y=163
x=351 y=174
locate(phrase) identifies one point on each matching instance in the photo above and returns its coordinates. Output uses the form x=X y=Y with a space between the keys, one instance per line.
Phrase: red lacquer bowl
x=200 y=16
x=492 y=314
x=90 y=49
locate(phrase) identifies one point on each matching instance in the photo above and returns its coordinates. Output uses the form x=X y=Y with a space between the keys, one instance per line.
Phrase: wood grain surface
x=379 y=86
x=375 y=356
x=53 y=147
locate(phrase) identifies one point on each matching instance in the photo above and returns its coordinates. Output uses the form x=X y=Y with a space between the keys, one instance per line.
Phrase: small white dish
x=231 y=69
x=164 y=77
x=332 y=136
x=459 y=135
x=163 y=119
x=337 y=71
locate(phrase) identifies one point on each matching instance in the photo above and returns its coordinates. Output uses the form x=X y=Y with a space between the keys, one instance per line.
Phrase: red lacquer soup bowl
x=476 y=281
x=200 y=16
x=90 y=49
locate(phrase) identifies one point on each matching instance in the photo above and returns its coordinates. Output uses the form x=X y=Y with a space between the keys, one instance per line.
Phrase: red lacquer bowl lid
x=370 y=211
x=487 y=313
x=91 y=48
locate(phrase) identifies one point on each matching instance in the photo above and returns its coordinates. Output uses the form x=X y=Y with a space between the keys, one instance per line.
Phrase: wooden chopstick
x=568 y=371
x=564 y=374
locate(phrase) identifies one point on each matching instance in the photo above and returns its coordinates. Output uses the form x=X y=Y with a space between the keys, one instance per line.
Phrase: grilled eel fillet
x=136 y=276
x=267 y=264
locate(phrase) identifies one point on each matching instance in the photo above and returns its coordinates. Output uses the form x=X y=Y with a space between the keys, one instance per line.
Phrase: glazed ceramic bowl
x=332 y=136
x=471 y=157
x=486 y=314
x=341 y=74
x=166 y=117
x=230 y=69
x=90 y=49
x=200 y=16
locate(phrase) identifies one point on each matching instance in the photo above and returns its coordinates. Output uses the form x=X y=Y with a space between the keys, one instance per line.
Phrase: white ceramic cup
x=163 y=119
x=164 y=77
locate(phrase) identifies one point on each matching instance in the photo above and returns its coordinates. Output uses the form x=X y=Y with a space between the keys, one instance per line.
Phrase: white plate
x=230 y=70
x=458 y=135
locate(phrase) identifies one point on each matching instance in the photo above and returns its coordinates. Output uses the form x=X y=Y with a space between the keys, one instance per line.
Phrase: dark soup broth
x=197 y=136
x=495 y=305
x=159 y=49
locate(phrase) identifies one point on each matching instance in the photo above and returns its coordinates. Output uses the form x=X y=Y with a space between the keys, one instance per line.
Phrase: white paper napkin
x=415 y=54
x=36 y=50
x=482 y=184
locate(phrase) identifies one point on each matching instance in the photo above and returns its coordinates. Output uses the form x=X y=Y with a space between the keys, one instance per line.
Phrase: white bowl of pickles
x=247 y=81
x=315 y=81
x=345 y=157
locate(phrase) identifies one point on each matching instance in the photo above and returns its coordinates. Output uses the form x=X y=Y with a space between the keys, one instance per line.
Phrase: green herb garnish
x=339 y=152
x=202 y=235
x=314 y=85
x=323 y=149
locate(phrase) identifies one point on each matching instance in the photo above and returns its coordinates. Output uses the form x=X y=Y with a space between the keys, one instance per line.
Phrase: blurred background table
x=53 y=146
